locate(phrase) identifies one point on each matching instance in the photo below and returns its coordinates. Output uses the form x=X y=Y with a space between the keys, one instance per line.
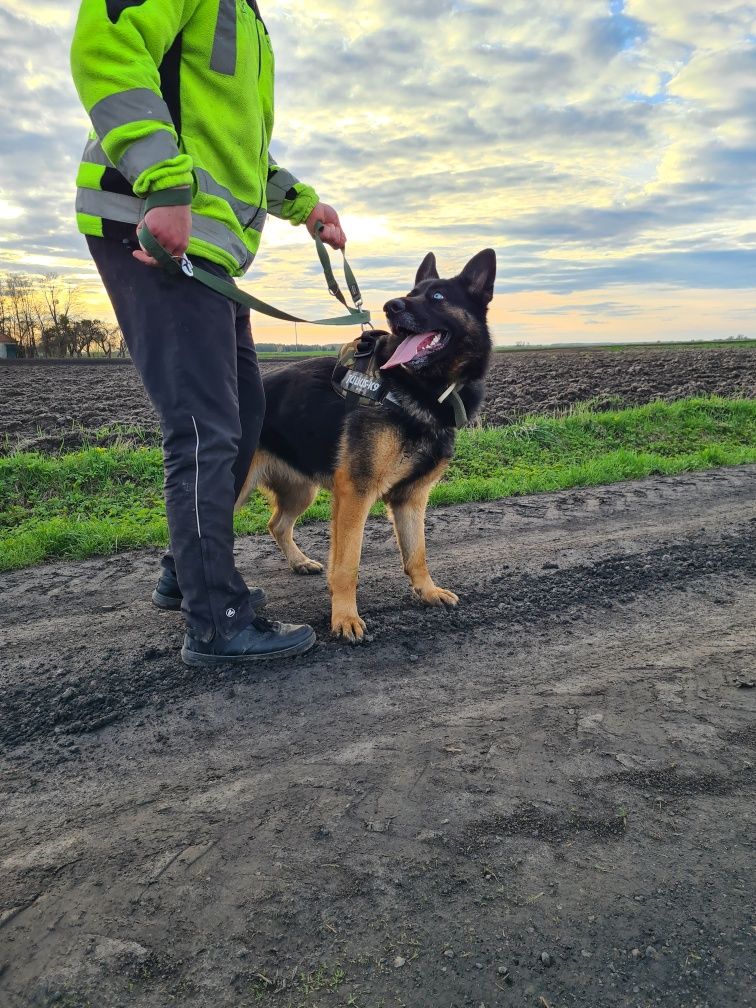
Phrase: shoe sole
x=169 y=602
x=196 y=659
x=257 y=599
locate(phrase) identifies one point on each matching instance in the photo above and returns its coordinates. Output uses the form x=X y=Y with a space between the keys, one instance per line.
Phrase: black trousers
x=194 y=352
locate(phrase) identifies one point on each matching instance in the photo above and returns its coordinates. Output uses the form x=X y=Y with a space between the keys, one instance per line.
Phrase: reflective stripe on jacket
x=180 y=92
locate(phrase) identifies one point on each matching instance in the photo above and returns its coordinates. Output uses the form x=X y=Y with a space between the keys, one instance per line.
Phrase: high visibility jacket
x=180 y=92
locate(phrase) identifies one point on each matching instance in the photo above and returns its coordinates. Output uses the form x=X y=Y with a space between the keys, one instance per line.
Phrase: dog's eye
x=438 y=296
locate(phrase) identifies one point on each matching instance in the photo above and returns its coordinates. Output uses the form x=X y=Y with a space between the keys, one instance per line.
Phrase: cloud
x=591 y=143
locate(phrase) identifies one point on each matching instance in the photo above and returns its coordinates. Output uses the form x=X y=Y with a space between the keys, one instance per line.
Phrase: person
x=180 y=96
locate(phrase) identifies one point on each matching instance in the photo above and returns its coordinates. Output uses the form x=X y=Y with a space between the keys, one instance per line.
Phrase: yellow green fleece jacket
x=180 y=93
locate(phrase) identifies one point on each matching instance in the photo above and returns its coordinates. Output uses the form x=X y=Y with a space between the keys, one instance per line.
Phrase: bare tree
x=19 y=313
x=57 y=302
x=115 y=341
x=40 y=314
x=93 y=333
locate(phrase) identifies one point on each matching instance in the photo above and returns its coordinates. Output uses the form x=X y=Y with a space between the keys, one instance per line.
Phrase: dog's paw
x=350 y=626
x=308 y=567
x=437 y=596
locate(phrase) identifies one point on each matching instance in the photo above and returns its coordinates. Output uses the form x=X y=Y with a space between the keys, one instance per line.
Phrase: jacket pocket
x=223 y=58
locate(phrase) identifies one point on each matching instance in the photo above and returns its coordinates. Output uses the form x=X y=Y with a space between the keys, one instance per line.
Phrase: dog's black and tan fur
x=311 y=439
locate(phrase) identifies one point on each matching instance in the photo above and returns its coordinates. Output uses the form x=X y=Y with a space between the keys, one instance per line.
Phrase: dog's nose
x=394 y=307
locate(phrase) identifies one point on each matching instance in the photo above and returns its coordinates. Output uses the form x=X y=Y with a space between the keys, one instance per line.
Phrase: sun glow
x=8 y=211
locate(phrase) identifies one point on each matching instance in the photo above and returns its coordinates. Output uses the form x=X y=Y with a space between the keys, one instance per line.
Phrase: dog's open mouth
x=416 y=347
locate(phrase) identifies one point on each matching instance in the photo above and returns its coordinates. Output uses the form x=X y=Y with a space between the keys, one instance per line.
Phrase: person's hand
x=171 y=226
x=332 y=234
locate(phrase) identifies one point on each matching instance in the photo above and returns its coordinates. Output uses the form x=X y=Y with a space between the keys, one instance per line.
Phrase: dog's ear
x=479 y=275
x=427 y=269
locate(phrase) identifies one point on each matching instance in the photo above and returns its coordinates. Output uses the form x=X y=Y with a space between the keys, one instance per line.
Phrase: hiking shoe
x=167 y=594
x=262 y=639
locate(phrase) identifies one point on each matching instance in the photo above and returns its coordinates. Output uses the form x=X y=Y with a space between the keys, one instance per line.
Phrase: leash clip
x=185 y=264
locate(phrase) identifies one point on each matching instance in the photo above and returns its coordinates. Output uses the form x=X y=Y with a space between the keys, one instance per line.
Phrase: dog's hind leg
x=406 y=510
x=289 y=494
x=290 y=497
x=259 y=463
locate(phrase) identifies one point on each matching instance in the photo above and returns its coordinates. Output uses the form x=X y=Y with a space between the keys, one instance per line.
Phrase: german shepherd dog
x=395 y=452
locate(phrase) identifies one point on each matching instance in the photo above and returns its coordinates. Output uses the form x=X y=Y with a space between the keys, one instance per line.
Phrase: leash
x=361 y=385
x=182 y=264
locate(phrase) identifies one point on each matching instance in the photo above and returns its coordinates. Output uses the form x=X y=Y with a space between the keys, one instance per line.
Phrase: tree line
x=297 y=347
x=42 y=315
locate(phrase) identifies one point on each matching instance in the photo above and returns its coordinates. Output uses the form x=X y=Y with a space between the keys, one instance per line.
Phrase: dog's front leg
x=350 y=511
x=407 y=513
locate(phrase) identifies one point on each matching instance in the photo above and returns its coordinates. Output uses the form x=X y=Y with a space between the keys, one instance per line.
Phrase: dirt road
x=545 y=799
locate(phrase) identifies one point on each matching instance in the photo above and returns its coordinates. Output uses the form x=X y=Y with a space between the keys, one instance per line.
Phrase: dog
x=433 y=359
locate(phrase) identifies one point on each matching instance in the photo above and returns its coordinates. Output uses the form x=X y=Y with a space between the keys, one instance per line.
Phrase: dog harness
x=364 y=385
x=357 y=377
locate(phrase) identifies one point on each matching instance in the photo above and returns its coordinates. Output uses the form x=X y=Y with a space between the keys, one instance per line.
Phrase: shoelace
x=265 y=625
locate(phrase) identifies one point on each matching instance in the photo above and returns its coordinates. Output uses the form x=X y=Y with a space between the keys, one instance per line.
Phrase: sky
x=606 y=149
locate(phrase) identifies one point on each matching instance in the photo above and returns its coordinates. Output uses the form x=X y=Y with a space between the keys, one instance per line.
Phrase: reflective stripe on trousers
x=194 y=353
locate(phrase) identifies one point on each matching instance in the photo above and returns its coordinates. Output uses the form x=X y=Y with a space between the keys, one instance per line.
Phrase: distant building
x=9 y=349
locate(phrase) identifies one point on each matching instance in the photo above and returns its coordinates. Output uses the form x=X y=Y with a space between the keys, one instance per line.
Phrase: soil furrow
x=73 y=397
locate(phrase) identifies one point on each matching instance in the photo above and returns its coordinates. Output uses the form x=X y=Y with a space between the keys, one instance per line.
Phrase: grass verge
x=101 y=500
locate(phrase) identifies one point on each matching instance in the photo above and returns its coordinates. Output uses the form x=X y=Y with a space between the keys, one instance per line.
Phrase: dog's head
x=439 y=329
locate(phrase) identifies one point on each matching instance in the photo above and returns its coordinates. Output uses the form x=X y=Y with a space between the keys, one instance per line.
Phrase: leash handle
x=333 y=287
x=182 y=264
x=152 y=247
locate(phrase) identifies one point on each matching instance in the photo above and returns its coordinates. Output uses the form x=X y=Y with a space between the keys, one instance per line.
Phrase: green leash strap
x=356 y=316
x=333 y=287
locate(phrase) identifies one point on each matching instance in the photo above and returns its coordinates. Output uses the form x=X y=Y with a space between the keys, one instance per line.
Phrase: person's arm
x=115 y=55
x=292 y=200
x=287 y=197
x=115 y=69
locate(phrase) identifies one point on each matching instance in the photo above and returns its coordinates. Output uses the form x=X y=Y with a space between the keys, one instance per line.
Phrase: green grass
x=101 y=500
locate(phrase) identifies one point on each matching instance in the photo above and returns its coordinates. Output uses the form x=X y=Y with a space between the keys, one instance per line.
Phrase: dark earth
x=50 y=406
x=545 y=798
x=542 y=800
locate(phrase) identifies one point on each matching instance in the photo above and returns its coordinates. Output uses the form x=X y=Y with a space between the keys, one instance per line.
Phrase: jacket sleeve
x=116 y=51
x=287 y=197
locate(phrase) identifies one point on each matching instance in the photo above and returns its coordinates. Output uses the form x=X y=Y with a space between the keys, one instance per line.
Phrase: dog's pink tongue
x=407 y=350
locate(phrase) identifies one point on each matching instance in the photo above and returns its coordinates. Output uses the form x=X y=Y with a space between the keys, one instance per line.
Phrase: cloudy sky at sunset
x=605 y=149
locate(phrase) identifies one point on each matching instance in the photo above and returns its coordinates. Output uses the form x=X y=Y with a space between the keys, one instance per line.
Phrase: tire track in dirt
x=509 y=599
x=511 y=602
